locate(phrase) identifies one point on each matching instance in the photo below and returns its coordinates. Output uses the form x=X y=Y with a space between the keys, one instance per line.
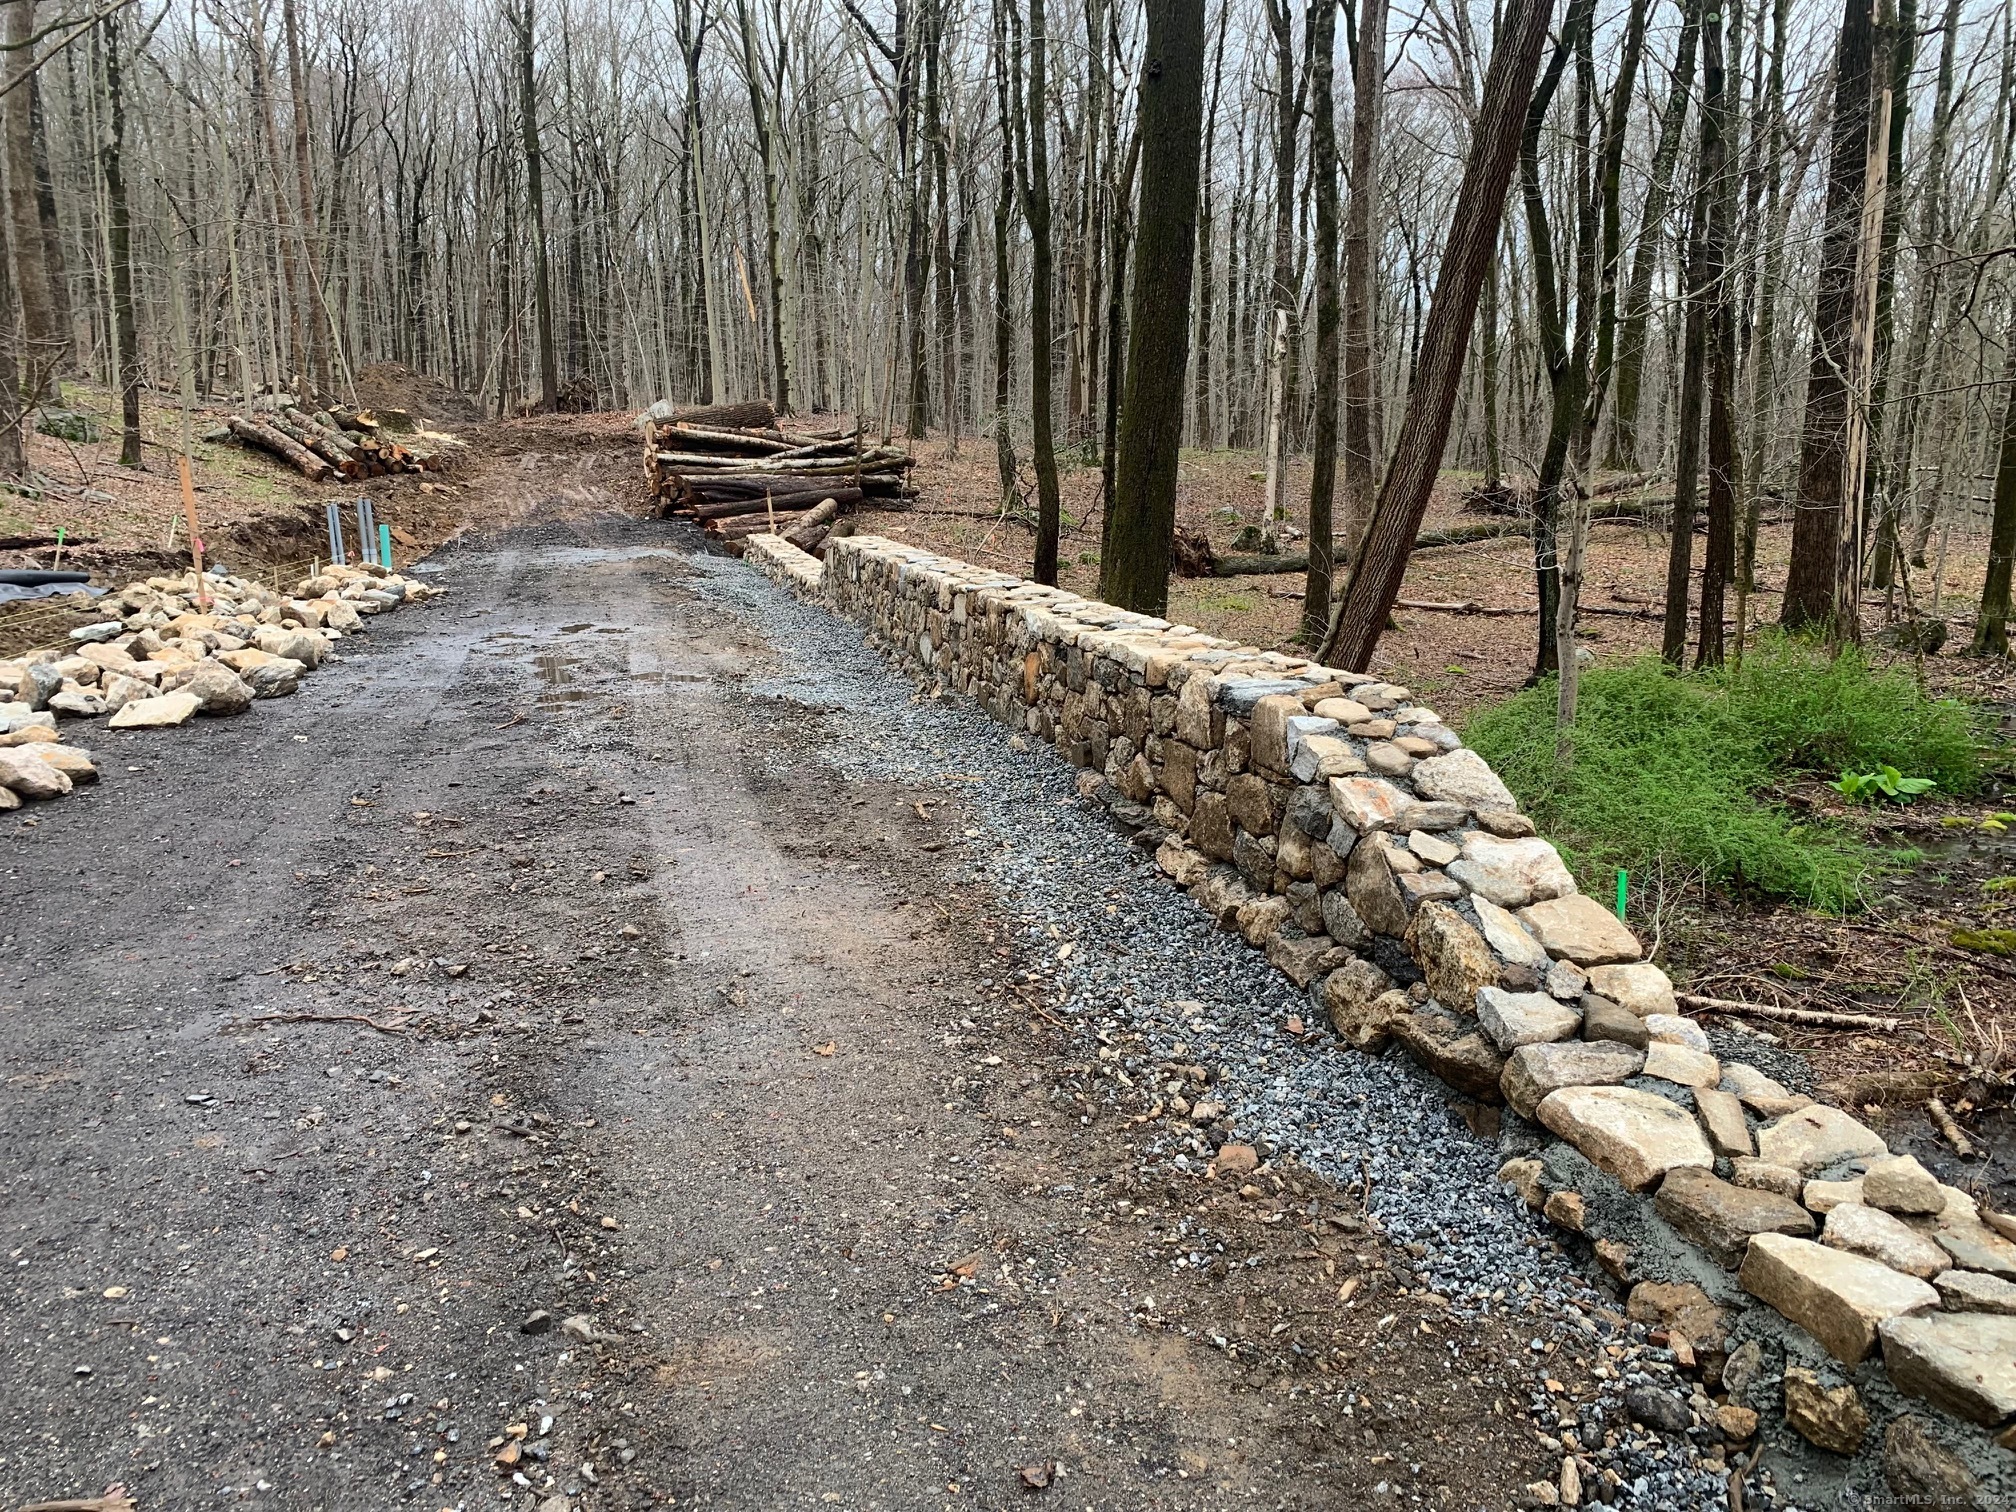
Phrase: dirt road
x=526 y=1066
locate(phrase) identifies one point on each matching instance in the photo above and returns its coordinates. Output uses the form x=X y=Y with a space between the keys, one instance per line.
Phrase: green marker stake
x=385 y=547
x=1623 y=885
x=59 y=546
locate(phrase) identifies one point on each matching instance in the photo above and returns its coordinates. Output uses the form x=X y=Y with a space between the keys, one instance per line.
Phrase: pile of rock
x=168 y=650
x=1336 y=822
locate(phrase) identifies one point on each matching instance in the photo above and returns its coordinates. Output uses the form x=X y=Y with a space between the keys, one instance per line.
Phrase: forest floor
x=577 y=1039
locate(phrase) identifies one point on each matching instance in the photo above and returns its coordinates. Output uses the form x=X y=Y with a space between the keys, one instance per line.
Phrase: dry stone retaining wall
x=1336 y=822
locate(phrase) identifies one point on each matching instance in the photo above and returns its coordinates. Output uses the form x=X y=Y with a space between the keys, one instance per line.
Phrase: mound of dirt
x=393 y=385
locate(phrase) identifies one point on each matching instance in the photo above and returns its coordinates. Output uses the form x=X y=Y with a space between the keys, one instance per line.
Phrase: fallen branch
x=1818 y=1017
x=326 y=1018
x=1942 y=1120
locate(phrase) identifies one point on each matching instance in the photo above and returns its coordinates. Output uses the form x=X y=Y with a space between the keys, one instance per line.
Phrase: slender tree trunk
x=1202 y=424
x=765 y=131
x=1322 y=46
x=1036 y=212
x=1487 y=378
x=119 y=239
x=1813 y=590
x=1361 y=275
x=1134 y=571
x=1381 y=564
x=44 y=341
x=1120 y=225
x=1724 y=483
x=535 y=195
x=304 y=177
x=1004 y=304
x=1645 y=257
x=1991 y=629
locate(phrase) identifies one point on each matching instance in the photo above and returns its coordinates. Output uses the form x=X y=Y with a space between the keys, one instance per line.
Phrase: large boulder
x=218 y=690
x=1511 y=873
x=304 y=646
x=1863 y=1230
x=1452 y=956
x=1462 y=777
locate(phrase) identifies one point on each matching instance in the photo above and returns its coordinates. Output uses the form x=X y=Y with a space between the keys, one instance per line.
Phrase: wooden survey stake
x=195 y=535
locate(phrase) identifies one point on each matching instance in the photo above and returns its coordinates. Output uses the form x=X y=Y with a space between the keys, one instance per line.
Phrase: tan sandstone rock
x=1838 y=1298
x=1580 y=929
x=1636 y=1136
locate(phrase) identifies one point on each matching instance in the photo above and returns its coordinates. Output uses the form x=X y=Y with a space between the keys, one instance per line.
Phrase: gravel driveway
x=605 y=1044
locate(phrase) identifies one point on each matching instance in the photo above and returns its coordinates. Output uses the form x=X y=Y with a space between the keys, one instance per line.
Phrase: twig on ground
x=1942 y=1120
x=1816 y=1016
x=326 y=1018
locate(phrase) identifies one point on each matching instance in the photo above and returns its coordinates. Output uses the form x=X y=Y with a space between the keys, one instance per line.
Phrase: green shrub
x=1677 y=770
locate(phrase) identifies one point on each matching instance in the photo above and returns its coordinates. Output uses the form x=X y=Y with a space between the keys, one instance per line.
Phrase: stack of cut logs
x=729 y=467
x=351 y=447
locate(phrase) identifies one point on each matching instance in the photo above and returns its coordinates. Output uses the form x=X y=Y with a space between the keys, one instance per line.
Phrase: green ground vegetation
x=1685 y=774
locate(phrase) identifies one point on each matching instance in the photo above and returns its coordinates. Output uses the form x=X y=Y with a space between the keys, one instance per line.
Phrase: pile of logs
x=730 y=468
x=347 y=444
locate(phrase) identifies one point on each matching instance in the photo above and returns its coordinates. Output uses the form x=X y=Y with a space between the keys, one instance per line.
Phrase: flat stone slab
x=1636 y=1136
x=1604 y=1020
x=155 y=713
x=1863 y=1230
x=1721 y=1218
x=1817 y=1137
x=1962 y=1362
x=1513 y=1019
x=1680 y=1065
x=1975 y=1291
x=1640 y=986
x=1579 y=929
x=1840 y=1299
x=1535 y=1071
x=1972 y=1244
x=1722 y=1116
x=1759 y=1092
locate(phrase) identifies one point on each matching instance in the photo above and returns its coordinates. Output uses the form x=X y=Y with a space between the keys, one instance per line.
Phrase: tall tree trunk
x=1203 y=432
x=1361 y=275
x=1322 y=46
x=1724 y=484
x=44 y=341
x=1813 y=589
x=1381 y=563
x=535 y=196
x=1487 y=377
x=1120 y=225
x=1566 y=360
x=765 y=130
x=1991 y=629
x=119 y=240
x=1036 y=213
x=1623 y=453
x=1932 y=189
x=1287 y=118
x=317 y=332
x=1134 y=572
x=1004 y=300
x=52 y=231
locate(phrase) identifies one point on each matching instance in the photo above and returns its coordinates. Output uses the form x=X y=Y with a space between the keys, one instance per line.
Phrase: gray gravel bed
x=1070 y=875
